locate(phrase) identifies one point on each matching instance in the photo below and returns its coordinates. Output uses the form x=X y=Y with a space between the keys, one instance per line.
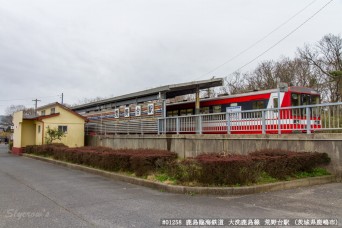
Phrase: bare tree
x=326 y=58
x=318 y=67
x=210 y=92
x=15 y=108
x=237 y=83
x=87 y=100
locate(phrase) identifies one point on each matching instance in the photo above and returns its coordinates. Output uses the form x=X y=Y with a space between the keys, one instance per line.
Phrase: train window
x=189 y=111
x=295 y=99
x=305 y=99
x=169 y=113
x=175 y=113
x=275 y=102
x=217 y=109
x=183 y=112
x=258 y=105
x=204 y=110
x=315 y=99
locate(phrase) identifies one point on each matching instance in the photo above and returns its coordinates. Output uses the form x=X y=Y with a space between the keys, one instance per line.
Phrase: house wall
x=28 y=132
x=75 y=135
x=17 y=120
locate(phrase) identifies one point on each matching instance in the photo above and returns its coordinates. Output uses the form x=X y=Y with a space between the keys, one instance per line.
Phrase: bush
x=219 y=169
x=151 y=161
x=188 y=170
x=283 y=164
x=228 y=169
x=142 y=162
x=45 y=150
x=208 y=169
x=115 y=161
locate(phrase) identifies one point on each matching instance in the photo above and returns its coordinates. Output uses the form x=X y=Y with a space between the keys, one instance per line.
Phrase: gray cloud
x=101 y=48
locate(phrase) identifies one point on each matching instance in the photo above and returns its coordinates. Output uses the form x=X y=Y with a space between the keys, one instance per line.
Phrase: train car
x=244 y=113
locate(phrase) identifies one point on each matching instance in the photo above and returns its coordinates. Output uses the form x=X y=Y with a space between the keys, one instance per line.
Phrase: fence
x=310 y=118
x=134 y=126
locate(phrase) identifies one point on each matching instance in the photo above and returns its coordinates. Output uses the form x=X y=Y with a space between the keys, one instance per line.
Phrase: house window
x=53 y=110
x=42 y=113
x=39 y=129
x=63 y=129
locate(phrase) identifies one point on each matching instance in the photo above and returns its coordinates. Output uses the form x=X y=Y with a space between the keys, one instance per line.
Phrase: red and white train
x=245 y=115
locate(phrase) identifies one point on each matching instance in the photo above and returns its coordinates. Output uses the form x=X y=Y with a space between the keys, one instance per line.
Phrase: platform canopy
x=162 y=92
x=190 y=87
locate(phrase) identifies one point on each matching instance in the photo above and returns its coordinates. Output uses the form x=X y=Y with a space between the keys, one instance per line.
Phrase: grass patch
x=265 y=178
x=316 y=172
x=161 y=177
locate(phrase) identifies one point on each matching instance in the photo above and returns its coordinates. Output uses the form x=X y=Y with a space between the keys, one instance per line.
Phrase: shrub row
x=281 y=164
x=207 y=169
x=222 y=169
x=141 y=162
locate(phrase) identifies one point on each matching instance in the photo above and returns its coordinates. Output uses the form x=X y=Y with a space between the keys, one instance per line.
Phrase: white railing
x=308 y=119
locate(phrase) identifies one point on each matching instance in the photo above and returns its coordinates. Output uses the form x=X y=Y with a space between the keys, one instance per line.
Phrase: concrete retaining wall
x=192 y=145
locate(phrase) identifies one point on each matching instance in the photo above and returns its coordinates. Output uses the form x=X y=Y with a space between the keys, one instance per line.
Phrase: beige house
x=31 y=130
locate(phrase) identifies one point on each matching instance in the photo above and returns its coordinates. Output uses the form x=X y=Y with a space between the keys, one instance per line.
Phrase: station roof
x=168 y=91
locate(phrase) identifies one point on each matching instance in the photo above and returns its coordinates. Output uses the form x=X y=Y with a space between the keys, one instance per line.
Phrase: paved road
x=38 y=194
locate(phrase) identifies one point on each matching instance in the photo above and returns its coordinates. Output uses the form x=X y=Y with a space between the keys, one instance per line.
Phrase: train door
x=272 y=114
x=274 y=104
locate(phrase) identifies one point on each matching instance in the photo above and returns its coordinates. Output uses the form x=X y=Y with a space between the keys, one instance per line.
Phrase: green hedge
x=282 y=164
x=220 y=169
x=141 y=162
x=207 y=169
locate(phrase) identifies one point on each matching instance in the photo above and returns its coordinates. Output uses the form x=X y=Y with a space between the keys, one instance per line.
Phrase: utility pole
x=62 y=98
x=35 y=106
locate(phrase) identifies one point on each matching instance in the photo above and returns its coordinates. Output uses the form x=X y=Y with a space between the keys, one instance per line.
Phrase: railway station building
x=137 y=113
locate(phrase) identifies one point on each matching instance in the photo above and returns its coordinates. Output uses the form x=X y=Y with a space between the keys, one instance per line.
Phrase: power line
x=258 y=41
x=294 y=30
x=24 y=99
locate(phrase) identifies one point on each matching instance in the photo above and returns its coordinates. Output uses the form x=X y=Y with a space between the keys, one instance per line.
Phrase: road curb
x=222 y=191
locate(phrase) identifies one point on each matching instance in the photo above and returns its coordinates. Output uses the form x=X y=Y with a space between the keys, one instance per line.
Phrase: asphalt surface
x=38 y=194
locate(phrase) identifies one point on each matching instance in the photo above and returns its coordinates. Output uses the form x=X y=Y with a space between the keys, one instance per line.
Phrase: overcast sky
x=91 y=48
